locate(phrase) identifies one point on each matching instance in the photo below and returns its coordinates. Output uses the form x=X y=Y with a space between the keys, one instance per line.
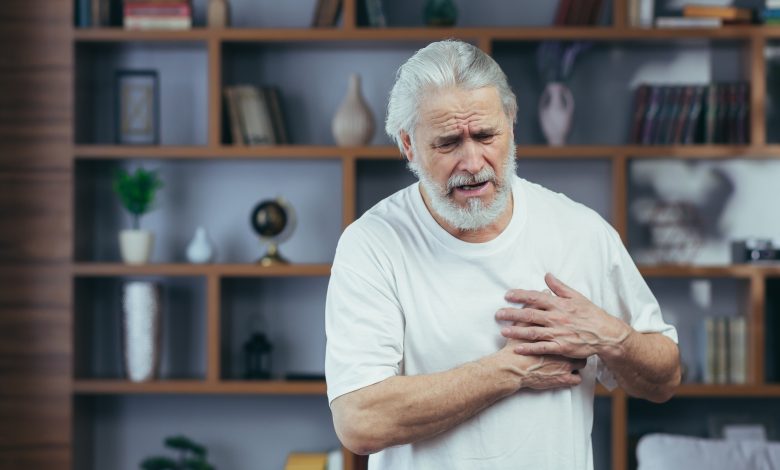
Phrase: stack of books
x=724 y=352
x=706 y=16
x=691 y=114
x=771 y=14
x=255 y=115
x=580 y=13
x=157 y=14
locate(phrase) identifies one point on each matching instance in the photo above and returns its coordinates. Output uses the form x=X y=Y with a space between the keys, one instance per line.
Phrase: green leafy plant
x=192 y=456
x=136 y=191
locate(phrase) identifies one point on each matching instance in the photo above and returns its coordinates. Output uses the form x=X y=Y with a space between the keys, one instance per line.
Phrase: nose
x=471 y=158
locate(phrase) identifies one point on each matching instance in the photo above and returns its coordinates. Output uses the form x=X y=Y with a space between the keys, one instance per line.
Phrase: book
x=141 y=23
x=732 y=14
x=234 y=116
x=158 y=9
x=721 y=351
x=646 y=13
x=651 y=115
x=562 y=12
x=709 y=360
x=711 y=113
x=327 y=13
x=641 y=98
x=83 y=13
x=254 y=115
x=737 y=329
x=273 y=98
x=682 y=22
x=694 y=117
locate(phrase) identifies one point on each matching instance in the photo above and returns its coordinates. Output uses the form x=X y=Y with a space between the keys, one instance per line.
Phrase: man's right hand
x=541 y=372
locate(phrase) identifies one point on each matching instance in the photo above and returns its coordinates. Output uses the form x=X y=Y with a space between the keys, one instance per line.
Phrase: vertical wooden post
x=620 y=196
x=349 y=189
x=757 y=91
x=619 y=430
x=486 y=44
x=215 y=92
x=213 y=340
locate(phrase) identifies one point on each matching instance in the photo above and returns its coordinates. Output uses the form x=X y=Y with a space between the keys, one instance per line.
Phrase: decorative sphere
x=269 y=218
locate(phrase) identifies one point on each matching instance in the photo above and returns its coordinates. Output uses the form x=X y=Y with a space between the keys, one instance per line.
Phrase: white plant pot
x=556 y=109
x=136 y=246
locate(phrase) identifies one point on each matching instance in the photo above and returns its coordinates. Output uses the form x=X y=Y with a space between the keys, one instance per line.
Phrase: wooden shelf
x=728 y=391
x=222 y=270
x=387 y=152
x=271 y=387
x=396 y=34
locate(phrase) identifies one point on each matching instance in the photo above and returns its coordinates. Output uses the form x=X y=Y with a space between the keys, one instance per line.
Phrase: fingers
x=529 y=333
x=559 y=288
x=524 y=315
x=539 y=348
x=531 y=298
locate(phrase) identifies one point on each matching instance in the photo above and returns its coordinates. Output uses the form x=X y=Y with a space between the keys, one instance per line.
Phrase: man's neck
x=481 y=235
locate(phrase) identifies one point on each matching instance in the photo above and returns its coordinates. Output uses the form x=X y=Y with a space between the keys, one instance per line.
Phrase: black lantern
x=257 y=357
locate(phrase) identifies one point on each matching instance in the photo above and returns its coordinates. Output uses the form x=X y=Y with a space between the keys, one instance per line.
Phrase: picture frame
x=138 y=107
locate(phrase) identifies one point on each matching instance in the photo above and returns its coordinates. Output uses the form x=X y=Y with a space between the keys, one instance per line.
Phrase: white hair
x=439 y=65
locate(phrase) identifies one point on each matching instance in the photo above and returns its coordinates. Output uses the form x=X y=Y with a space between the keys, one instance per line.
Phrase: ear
x=406 y=141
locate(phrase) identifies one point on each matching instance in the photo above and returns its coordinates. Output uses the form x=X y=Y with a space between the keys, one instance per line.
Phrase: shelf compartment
x=98 y=327
x=187 y=387
x=182 y=82
x=218 y=195
x=617 y=68
x=229 y=270
x=294 y=323
x=725 y=200
x=290 y=66
x=118 y=431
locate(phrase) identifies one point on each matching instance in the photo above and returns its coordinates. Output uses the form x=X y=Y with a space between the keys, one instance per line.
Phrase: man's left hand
x=562 y=322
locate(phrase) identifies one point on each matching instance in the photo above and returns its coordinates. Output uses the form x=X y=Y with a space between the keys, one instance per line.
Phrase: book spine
x=158 y=10
x=721 y=351
x=711 y=113
x=653 y=106
x=562 y=12
x=738 y=350
x=641 y=97
x=157 y=22
x=376 y=15
x=231 y=103
x=680 y=22
x=708 y=363
x=84 y=13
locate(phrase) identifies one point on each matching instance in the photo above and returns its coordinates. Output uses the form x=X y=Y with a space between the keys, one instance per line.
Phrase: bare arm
x=646 y=365
x=405 y=409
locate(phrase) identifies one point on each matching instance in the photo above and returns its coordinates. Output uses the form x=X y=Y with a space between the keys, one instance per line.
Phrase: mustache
x=486 y=174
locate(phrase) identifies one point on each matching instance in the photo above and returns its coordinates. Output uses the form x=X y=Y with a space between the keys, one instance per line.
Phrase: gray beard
x=476 y=214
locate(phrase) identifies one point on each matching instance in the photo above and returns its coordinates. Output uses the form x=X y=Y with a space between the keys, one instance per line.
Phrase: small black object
x=257 y=356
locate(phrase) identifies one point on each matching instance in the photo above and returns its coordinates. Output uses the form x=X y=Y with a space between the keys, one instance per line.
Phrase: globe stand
x=272 y=257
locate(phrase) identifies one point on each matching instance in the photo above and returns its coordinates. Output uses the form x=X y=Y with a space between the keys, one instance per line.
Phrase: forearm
x=405 y=409
x=646 y=365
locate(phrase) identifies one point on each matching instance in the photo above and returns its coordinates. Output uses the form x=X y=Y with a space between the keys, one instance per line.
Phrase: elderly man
x=470 y=315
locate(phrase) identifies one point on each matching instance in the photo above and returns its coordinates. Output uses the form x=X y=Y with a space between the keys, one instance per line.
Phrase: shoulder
x=375 y=234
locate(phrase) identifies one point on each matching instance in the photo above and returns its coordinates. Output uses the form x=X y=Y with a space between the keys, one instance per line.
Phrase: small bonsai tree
x=136 y=191
x=192 y=456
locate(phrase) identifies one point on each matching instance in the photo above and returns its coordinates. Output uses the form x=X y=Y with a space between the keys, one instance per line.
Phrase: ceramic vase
x=218 y=14
x=141 y=330
x=135 y=246
x=440 y=13
x=200 y=250
x=556 y=109
x=353 y=124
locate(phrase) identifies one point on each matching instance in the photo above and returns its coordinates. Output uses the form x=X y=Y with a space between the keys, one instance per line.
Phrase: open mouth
x=472 y=187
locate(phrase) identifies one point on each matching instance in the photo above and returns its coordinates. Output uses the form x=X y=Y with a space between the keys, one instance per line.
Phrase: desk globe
x=274 y=221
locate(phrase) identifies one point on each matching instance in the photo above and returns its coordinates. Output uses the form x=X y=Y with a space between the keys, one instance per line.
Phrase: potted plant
x=192 y=456
x=136 y=191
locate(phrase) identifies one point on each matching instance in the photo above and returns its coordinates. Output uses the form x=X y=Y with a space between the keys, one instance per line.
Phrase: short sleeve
x=627 y=296
x=363 y=319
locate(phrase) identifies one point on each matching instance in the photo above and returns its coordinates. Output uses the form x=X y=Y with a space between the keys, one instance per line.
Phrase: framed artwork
x=138 y=107
x=742 y=426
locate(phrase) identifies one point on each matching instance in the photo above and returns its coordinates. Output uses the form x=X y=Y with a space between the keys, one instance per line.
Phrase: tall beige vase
x=353 y=124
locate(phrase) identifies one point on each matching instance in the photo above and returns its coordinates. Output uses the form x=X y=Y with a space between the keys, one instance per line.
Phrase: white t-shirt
x=407 y=298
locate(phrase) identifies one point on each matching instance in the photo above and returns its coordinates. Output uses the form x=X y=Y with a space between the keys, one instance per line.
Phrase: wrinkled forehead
x=444 y=110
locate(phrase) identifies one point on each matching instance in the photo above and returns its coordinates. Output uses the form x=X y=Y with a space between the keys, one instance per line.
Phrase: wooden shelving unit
x=754 y=38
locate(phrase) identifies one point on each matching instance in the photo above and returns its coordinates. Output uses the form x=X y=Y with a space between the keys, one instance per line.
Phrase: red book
x=563 y=9
x=158 y=9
